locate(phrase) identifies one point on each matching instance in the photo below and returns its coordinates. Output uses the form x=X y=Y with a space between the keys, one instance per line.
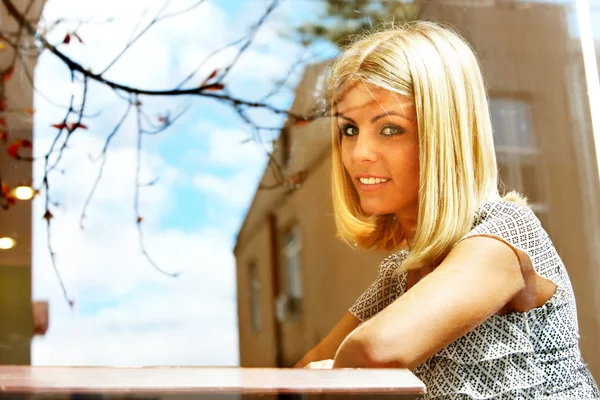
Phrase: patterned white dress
x=531 y=355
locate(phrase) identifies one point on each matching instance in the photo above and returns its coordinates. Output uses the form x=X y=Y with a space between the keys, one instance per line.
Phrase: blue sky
x=126 y=313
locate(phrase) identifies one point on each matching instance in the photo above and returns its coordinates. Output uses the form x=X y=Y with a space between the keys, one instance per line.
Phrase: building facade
x=296 y=279
x=21 y=318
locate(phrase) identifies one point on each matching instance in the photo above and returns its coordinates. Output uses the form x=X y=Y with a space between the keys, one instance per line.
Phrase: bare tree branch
x=71 y=128
x=253 y=31
x=103 y=162
x=156 y=19
x=211 y=88
x=137 y=194
x=203 y=90
x=299 y=61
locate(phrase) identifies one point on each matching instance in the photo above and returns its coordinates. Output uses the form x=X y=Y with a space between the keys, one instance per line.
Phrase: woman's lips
x=370 y=187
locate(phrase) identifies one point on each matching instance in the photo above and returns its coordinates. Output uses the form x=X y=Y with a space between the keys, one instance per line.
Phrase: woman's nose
x=364 y=150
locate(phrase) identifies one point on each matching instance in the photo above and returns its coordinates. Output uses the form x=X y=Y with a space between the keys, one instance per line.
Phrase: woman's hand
x=323 y=364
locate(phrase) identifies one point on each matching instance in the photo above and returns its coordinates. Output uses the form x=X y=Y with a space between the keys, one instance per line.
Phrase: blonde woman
x=475 y=301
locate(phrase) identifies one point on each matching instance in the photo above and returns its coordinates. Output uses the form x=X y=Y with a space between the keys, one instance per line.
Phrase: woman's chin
x=374 y=210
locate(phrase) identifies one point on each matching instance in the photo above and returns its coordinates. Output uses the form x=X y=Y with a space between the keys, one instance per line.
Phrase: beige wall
x=526 y=54
x=16 y=328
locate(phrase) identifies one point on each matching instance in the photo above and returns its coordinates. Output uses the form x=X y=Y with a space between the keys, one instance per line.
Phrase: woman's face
x=379 y=147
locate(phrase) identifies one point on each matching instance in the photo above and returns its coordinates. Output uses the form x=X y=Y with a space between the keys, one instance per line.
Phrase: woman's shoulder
x=504 y=210
x=392 y=262
x=514 y=223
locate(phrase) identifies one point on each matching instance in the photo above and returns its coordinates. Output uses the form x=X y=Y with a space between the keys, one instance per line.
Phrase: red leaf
x=3 y=105
x=215 y=87
x=62 y=125
x=3 y=122
x=13 y=149
x=67 y=39
x=3 y=136
x=4 y=189
x=69 y=126
x=7 y=74
x=211 y=76
x=74 y=125
x=78 y=37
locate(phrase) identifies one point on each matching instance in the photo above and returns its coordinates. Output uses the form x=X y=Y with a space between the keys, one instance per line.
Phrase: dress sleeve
x=519 y=227
x=386 y=288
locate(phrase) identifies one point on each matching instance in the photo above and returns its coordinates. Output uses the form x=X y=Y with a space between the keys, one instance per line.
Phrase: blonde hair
x=436 y=68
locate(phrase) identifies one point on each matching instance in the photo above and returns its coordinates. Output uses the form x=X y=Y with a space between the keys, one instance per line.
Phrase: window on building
x=517 y=152
x=254 y=281
x=289 y=302
x=292 y=262
x=285 y=147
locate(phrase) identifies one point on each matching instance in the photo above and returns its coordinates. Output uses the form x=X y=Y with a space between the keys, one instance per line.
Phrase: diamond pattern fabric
x=530 y=355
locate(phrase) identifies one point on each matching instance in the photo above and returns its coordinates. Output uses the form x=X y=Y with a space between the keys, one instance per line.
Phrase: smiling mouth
x=372 y=181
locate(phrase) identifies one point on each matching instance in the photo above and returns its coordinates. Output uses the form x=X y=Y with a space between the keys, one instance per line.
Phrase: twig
x=71 y=130
x=137 y=194
x=254 y=30
x=103 y=162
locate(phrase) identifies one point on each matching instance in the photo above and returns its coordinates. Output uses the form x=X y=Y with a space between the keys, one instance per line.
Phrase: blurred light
x=24 y=192
x=7 y=243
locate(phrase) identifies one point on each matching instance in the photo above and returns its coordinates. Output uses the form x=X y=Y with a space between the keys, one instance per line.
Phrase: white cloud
x=235 y=191
x=126 y=312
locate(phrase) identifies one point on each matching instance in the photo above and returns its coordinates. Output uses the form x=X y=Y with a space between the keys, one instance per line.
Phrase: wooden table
x=205 y=382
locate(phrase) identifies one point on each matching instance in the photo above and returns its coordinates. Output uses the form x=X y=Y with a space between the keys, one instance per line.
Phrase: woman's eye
x=391 y=130
x=350 y=130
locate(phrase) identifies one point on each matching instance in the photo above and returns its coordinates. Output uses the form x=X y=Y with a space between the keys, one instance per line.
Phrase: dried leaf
x=215 y=87
x=3 y=105
x=139 y=220
x=7 y=74
x=3 y=122
x=29 y=111
x=78 y=37
x=62 y=125
x=48 y=215
x=3 y=136
x=4 y=189
x=210 y=77
x=74 y=125
x=69 y=126
x=297 y=178
x=67 y=39
x=13 y=148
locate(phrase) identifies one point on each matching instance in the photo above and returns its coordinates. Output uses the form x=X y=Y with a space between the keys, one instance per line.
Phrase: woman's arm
x=477 y=278
x=328 y=346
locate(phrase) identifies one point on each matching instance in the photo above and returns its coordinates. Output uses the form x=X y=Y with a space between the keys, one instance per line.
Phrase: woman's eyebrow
x=378 y=117
x=375 y=118
x=346 y=118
